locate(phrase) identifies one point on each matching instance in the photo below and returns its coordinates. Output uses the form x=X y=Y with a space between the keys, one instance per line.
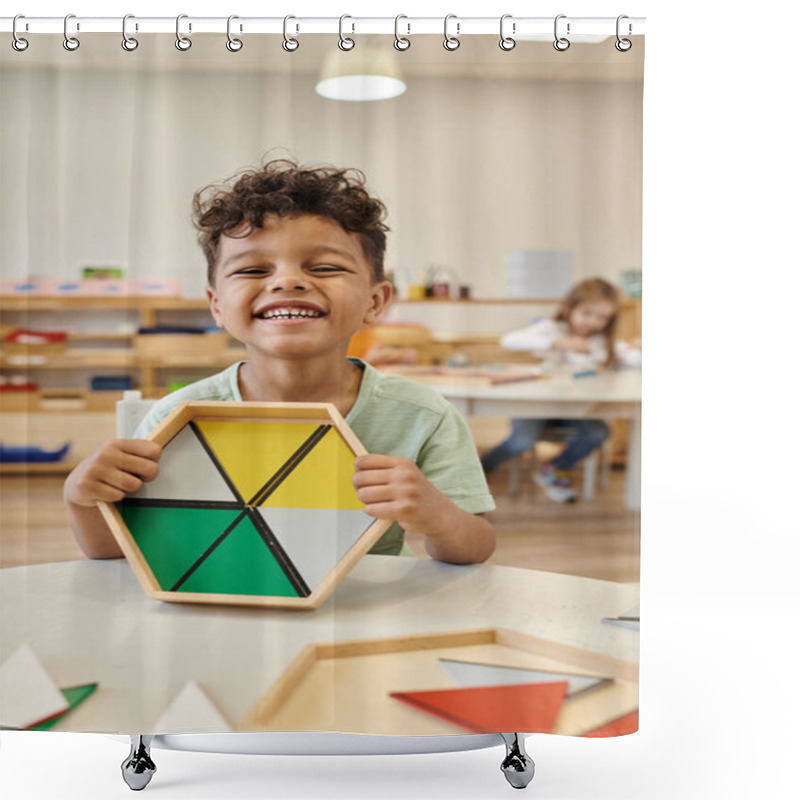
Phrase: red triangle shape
x=521 y=708
x=618 y=727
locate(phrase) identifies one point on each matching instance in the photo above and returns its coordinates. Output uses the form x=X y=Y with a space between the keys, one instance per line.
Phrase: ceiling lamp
x=363 y=73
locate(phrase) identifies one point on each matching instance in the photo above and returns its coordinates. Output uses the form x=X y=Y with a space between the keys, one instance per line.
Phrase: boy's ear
x=380 y=297
x=211 y=296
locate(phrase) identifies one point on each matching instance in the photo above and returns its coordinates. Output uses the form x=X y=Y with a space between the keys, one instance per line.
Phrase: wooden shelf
x=42 y=303
x=109 y=358
x=51 y=467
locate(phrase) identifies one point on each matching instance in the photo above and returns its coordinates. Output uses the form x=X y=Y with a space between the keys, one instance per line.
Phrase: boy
x=295 y=268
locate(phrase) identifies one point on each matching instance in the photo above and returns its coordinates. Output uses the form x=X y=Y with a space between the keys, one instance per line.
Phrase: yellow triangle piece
x=252 y=452
x=323 y=479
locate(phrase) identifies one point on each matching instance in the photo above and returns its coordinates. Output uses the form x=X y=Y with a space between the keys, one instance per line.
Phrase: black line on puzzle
x=278 y=553
x=158 y=503
x=291 y=463
x=211 y=548
x=294 y=460
x=207 y=447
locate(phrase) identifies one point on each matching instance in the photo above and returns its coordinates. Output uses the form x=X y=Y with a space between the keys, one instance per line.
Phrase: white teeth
x=290 y=313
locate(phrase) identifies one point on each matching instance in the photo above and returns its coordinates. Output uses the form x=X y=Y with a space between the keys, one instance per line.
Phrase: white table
x=90 y=621
x=608 y=395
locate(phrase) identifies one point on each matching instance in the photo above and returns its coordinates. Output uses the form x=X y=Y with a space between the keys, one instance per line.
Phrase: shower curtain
x=510 y=175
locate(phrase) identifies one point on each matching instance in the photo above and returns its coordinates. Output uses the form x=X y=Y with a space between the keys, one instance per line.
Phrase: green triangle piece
x=74 y=695
x=172 y=539
x=242 y=564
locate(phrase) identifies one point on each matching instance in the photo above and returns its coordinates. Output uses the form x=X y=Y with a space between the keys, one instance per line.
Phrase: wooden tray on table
x=351 y=686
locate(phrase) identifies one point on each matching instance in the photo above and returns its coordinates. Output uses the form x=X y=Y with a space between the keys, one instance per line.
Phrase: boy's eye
x=327 y=268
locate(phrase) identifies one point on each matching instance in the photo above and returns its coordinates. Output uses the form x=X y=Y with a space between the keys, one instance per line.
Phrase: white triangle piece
x=186 y=472
x=29 y=695
x=316 y=539
x=191 y=711
x=470 y=675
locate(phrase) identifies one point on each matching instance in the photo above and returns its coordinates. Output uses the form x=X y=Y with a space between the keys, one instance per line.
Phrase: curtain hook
x=289 y=44
x=345 y=42
x=233 y=44
x=182 y=42
x=70 y=43
x=129 y=43
x=400 y=42
x=561 y=43
x=451 y=42
x=623 y=45
x=18 y=43
x=507 y=42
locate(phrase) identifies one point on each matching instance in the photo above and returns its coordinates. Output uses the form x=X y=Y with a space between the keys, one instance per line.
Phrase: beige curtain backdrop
x=486 y=153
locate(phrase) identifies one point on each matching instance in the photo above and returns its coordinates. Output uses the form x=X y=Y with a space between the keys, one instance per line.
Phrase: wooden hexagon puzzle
x=253 y=505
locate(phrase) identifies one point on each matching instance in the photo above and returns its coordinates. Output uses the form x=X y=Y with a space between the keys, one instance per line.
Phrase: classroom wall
x=102 y=168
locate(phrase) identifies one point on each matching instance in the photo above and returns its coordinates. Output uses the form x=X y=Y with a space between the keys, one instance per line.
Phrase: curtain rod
x=408 y=26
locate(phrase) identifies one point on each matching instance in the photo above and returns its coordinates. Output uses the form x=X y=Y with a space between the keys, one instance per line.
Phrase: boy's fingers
x=372 y=477
x=380 y=510
x=375 y=461
x=123 y=481
x=107 y=493
x=144 y=468
x=375 y=494
x=140 y=447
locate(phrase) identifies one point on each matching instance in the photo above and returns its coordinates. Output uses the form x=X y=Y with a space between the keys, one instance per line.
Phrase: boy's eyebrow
x=239 y=256
x=325 y=248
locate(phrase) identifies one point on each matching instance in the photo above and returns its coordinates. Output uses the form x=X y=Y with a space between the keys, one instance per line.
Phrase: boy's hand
x=395 y=488
x=575 y=343
x=114 y=470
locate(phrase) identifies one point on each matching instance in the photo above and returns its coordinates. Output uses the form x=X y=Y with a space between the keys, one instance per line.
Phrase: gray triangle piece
x=316 y=539
x=186 y=472
x=470 y=675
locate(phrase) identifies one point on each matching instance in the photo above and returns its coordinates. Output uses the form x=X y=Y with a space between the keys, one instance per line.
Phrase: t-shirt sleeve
x=150 y=421
x=449 y=460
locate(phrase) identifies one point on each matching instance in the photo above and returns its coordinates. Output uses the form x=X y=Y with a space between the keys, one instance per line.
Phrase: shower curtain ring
x=400 y=42
x=182 y=42
x=129 y=43
x=18 y=43
x=289 y=44
x=561 y=43
x=451 y=42
x=345 y=42
x=507 y=42
x=70 y=43
x=233 y=44
x=623 y=45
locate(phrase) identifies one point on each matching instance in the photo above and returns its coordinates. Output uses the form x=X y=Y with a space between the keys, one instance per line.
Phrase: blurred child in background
x=581 y=337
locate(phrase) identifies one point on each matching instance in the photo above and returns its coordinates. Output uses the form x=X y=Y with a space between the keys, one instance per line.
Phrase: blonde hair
x=594 y=289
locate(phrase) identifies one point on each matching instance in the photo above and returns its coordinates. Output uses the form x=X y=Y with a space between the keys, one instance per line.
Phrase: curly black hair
x=284 y=188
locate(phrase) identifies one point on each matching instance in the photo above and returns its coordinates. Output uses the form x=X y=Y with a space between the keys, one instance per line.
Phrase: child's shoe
x=556 y=484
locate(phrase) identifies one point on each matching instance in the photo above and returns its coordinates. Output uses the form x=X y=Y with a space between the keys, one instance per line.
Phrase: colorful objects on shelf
x=91 y=287
x=111 y=383
x=32 y=454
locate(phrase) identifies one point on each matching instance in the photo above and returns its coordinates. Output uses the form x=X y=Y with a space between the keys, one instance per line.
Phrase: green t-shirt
x=392 y=416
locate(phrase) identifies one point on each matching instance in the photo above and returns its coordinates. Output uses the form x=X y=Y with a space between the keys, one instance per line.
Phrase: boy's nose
x=288 y=280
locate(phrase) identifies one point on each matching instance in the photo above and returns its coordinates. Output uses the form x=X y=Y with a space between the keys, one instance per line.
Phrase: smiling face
x=298 y=287
x=590 y=317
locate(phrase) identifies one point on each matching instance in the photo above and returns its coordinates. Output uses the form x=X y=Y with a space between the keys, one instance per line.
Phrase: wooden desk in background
x=608 y=395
